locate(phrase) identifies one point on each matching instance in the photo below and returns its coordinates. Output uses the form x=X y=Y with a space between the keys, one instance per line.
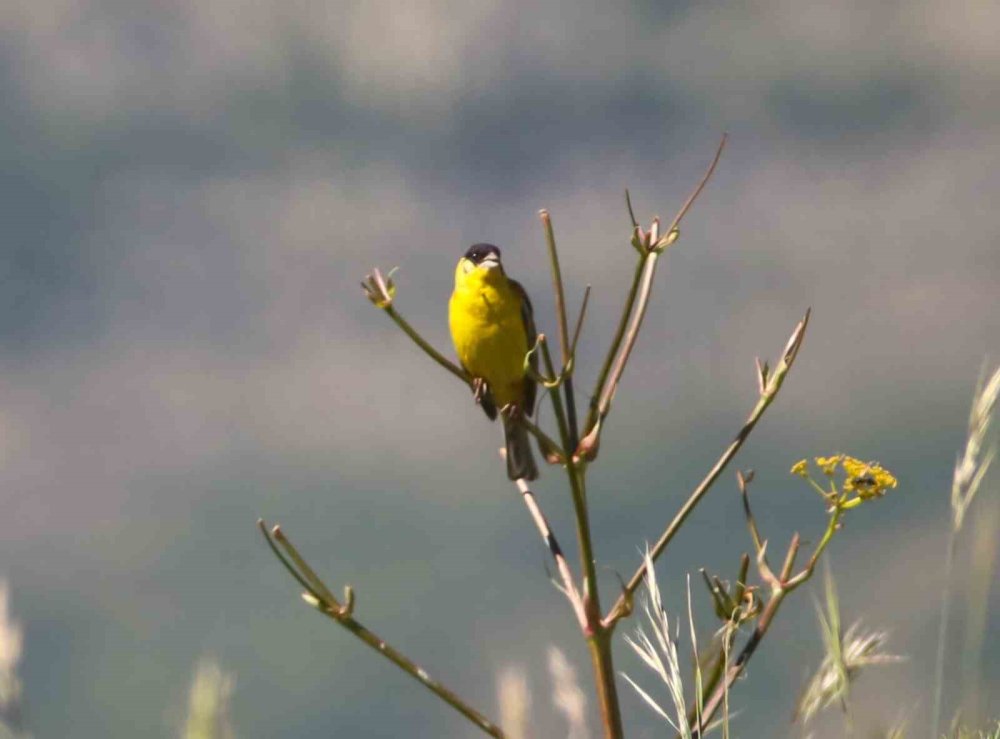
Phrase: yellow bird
x=492 y=327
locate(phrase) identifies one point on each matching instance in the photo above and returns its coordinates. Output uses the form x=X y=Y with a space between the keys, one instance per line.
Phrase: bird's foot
x=479 y=389
x=511 y=411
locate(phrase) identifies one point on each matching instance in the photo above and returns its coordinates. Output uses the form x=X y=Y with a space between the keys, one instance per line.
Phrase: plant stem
x=598 y=638
x=596 y=412
x=645 y=291
x=739 y=664
x=780 y=589
x=616 y=343
x=557 y=404
x=943 y=633
x=565 y=573
x=601 y=658
x=564 y=341
x=416 y=672
x=428 y=349
x=763 y=402
x=319 y=596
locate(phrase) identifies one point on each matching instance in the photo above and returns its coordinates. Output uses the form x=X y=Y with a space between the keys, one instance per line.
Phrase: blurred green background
x=190 y=192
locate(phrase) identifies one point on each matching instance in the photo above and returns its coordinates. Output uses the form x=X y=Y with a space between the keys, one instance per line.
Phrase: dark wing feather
x=528 y=317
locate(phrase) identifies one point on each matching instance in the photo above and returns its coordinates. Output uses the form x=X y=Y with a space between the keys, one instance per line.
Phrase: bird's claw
x=479 y=389
x=511 y=410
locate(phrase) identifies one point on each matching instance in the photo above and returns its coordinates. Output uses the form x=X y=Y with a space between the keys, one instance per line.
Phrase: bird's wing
x=528 y=317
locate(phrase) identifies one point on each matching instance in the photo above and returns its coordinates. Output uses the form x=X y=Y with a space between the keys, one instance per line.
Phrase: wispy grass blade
x=970 y=469
x=661 y=657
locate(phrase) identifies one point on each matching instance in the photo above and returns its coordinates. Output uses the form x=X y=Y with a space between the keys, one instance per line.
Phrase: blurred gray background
x=190 y=192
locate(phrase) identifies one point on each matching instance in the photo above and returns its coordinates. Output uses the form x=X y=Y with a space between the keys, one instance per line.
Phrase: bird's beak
x=490 y=261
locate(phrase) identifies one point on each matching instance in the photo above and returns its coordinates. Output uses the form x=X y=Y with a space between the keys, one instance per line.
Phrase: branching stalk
x=319 y=596
x=771 y=389
x=780 y=589
x=649 y=245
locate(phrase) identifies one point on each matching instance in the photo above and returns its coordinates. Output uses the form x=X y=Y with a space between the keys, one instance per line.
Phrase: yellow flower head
x=829 y=464
x=800 y=468
x=867 y=479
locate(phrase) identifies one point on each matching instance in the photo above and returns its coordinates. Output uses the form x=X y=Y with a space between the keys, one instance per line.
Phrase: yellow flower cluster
x=867 y=479
x=862 y=480
x=829 y=464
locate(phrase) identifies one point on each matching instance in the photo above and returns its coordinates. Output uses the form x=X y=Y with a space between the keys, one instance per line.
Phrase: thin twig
x=554 y=395
x=428 y=349
x=319 y=596
x=546 y=442
x=564 y=340
x=381 y=292
x=579 y=324
x=645 y=289
x=780 y=589
x=565 y=573
x=701 y=186
x=602 y=376
x=739 y=664
x=774 y=384
x=631 y=213
x=642 y=283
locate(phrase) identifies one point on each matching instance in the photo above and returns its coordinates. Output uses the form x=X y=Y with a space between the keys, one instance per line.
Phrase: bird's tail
x=520 y=460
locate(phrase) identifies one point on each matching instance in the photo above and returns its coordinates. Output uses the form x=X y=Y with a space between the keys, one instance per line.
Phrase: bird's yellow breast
x=487 y=328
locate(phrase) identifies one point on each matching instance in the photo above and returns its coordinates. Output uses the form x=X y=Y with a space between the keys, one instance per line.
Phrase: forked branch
x=650 y=245
x=770 y=387
x=319 y=596
x=780 y=587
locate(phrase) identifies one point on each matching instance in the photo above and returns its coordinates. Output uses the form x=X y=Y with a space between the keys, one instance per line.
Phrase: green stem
x=739 y=664
x=764 y=401
x=681 y=516
x=320 y=597
x=602 y=660
x=616 y=342
x=831 y=529
x=557 y=404
x=564 y=341
x=428 y=349
x=778 y=594
x=715 y=675
x=943 y=634
x=416 y=672
x=631 y=336
x=598 y=638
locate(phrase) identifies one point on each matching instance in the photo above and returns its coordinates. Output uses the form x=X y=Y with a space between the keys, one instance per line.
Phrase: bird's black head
x=479 y=253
